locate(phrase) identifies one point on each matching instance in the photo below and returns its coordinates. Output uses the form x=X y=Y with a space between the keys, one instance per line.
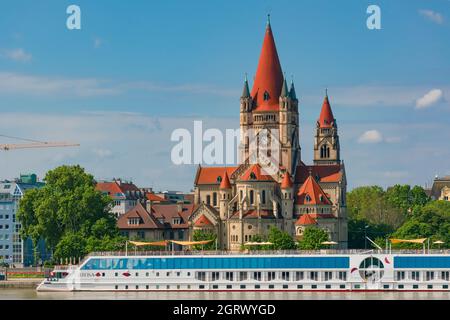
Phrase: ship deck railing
x=265 y=252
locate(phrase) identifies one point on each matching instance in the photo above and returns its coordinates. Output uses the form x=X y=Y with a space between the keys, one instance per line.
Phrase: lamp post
x=365 y=236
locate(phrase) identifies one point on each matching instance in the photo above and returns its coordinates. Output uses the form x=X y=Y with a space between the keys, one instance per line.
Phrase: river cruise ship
x=325 y=270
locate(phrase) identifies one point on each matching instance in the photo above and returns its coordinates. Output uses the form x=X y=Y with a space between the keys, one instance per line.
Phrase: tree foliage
x=312 y=239
x=69 y=214
x=378 y=213
x=280 y=240
x=201 y=235
x=430 y=221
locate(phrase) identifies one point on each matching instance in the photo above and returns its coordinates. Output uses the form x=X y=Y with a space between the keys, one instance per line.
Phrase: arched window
x=208 y=199
x=215 y=199
x=251 y=196
x=324 y=151
x=241 y=194
x=263 y=196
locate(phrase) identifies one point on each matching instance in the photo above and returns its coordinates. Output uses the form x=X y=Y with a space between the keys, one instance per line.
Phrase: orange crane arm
x=7 y=147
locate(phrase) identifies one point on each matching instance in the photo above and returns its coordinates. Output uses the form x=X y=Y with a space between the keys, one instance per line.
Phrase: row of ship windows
x=427 y=275
x=243 y=276
x=271 y=286
x=270 y=275
x=293 y=276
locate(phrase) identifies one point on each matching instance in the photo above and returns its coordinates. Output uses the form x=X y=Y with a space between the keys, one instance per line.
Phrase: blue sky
x=137 y=70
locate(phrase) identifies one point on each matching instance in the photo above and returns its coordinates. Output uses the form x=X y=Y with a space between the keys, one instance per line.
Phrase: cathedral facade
x=237 y=203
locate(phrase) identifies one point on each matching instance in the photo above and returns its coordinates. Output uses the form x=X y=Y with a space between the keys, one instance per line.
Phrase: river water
x=6 y=294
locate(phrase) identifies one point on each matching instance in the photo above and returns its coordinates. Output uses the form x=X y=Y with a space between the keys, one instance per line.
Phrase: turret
x=225 y=196
x=326 y=144
x=287 y=195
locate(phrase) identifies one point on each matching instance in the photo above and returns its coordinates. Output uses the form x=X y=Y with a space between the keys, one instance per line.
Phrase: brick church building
x=240 y=202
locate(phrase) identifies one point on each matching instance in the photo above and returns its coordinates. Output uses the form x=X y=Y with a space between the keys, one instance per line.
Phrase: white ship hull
x=255 y=272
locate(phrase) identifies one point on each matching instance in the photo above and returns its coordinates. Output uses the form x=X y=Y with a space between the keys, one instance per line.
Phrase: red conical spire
x=326 y=118
x=269 y=77
x=286 y=183
x=225 y=183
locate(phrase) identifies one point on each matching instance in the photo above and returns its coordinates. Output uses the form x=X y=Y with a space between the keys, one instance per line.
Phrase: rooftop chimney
x=180 y=206
x=148 y=206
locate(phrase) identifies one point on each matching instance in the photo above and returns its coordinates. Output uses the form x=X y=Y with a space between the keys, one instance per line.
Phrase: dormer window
x=176 y=221
x=133 y=221
x=219 y=179
x=308 y=198
x=252 y=176
x=266 y=96
x=321 y=198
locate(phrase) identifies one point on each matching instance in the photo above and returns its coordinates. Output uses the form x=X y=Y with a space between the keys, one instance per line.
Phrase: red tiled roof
x=269 y=77
x=312 y=190
x=225 y=183
x=326 y=118
x=153 y=197
x=254 y=174
x=325 y=173
x=169 y=211
x=287 y=182
x=203 y=221
x=161 y=217
x=115 y=189
x=305 y=219
x=148 y=221
x=209 y=175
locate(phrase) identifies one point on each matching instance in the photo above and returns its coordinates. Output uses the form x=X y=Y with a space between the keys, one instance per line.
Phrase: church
x=239 y=202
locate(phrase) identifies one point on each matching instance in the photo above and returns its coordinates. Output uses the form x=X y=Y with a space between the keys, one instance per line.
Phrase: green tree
x=358 y=229
x=373 y=204
x=406 y=198
x=68 y=209
x=430 y=221
x=201 y=235
x=280 y=240
x=71 y=245
x=312 y=239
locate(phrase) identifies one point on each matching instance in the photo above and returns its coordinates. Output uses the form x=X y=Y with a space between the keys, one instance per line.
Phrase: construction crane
x=33 y=144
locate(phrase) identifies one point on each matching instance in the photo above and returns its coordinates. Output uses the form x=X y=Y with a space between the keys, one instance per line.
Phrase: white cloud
x=37 y=85
x=371 y=136
x=373 y=95
x=23 y=84
x=18 y=55
x=431 y=97
x=431 y=15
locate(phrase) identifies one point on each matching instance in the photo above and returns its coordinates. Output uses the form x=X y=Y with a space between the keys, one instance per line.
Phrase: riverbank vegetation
x=70 y=215
x=400 y=211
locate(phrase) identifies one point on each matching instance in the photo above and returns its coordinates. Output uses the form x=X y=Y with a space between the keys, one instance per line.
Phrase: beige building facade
x=244 y=201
